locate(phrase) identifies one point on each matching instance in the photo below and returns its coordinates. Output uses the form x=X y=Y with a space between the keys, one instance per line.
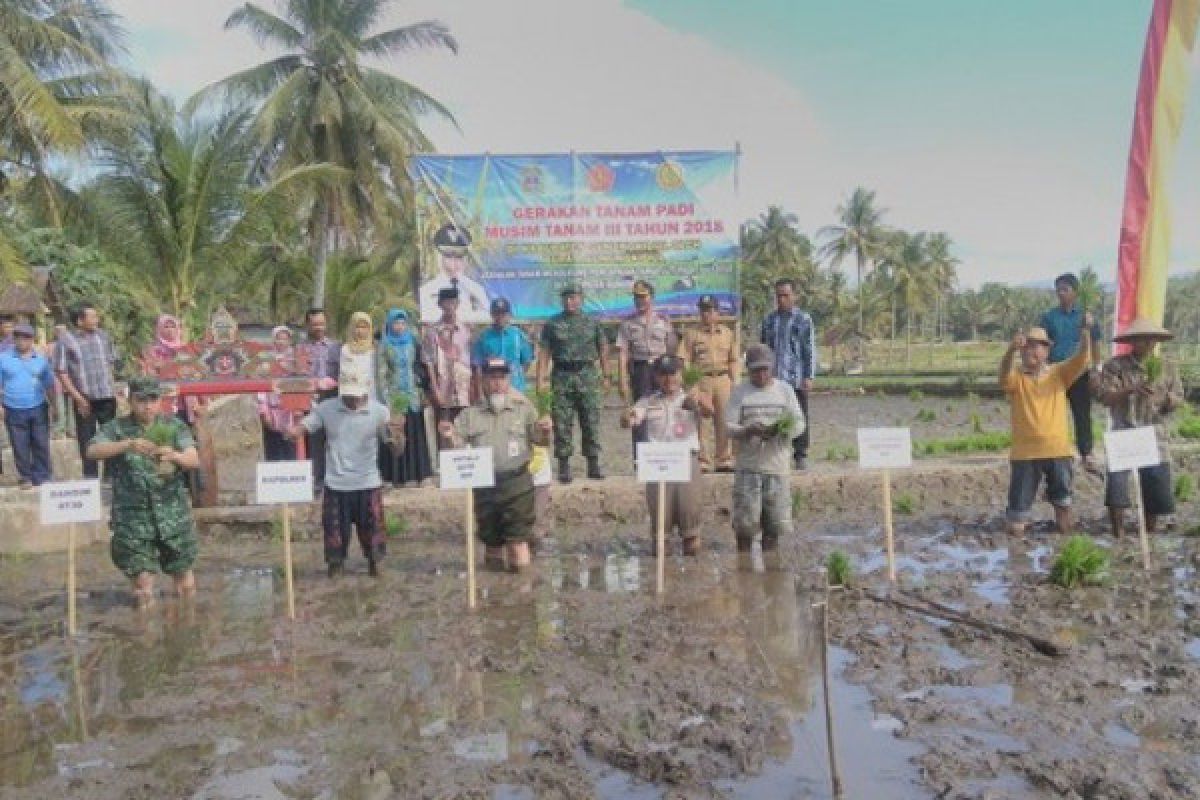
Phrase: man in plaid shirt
x=84 y=362
x=791 y=335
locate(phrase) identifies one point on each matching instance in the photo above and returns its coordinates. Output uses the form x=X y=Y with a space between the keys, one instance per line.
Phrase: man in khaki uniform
x=508 y=423
x=642 y=338
x=713 y=348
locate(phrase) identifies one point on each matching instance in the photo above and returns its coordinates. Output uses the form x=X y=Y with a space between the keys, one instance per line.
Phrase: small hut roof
x=20 y=298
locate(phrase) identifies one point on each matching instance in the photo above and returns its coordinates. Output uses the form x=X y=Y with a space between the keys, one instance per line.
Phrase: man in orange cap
x=1041 y=442
x=1139 y=388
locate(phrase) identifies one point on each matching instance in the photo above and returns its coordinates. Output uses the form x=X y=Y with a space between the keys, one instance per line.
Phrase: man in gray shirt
x=354 y=425
x=762 y=474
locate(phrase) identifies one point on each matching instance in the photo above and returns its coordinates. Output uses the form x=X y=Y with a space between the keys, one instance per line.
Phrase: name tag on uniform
x=514 y=448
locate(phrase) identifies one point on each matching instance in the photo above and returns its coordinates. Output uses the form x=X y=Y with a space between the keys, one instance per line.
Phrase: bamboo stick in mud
x=888 y=532
x=72 y=621
x=470 y=548
x=835 y=775
x=660 y=538
x=288 y=580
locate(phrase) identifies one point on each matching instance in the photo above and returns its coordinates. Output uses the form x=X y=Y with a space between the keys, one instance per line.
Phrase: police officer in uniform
x=574 y=342
x=713 y=348
x=451 y=243
x=507 y=422
x=643 y=337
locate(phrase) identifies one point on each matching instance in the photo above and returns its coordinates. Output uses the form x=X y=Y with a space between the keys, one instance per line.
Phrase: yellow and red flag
x=1158 y=114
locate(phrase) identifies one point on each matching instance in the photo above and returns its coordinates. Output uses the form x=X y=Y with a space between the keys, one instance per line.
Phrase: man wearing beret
x=574 y=342
x=451 y=243
x=506 y=422
x=713 y=349
x=152 y=527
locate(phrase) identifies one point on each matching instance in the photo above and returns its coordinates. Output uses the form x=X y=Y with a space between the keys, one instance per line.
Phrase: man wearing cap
x=1140 y=388
x=446 y=349
x=451 y=243
x=1041 y=444
x=506 y=422
x=642 y=338
x=7 y=324
x=152 y=527
x=669 y=414
x=762 y=486
x=713 y=349
x=502 y=339
x=354 y=424
x=574 y=343
x=791 y=335
x=28 y=382
x=1062 y=325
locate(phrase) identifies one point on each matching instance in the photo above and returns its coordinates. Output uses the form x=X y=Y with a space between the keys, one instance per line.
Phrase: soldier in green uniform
x=574 y=342
x=151 y=516
x=506 y=422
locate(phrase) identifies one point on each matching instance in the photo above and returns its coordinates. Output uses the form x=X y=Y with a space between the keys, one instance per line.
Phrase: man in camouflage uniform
x=713 y=349
x=574 y=342
x=151 y=517
x=507 y=422
x=642 y=338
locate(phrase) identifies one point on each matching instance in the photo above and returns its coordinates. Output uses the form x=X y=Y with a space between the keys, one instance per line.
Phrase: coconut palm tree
x=907 y=258
x=859 y=232
x=943 y=268
x=320 y=103
x=772 y=248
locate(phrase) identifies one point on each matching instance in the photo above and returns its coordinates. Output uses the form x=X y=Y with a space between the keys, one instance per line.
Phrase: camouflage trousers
x=149 y=540
x=576 y=393
x=761 y=500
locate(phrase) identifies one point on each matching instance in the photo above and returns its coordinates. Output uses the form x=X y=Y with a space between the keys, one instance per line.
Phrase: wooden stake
x=72 y=626
x=660 y=538
x=288 y=582
x=471 y=548
x=887 y=525
x=80 y=699
x=1140 y=510
x=835 y=775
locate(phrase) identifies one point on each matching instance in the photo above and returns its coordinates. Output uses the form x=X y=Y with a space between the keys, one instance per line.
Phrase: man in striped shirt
x=791 y=335
x=84 y=361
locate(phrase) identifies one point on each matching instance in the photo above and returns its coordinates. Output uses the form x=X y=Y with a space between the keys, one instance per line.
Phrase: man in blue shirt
x=791 y=335
x=502 y=340
x=1063 y=324
x=28 y=381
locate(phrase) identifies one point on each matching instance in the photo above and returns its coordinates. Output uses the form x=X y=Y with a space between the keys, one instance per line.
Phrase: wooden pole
x=888 y=533
x=288 y=581
x=835 y=775
x=72 y=626
x=471 y=548
x=660 y=538
x=80 y=698
x=1140 y=510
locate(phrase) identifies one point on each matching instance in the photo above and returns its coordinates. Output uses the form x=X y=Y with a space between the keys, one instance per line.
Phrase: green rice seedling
x=543 y=401
x=1154 y=368
x=1189 y=428
x=976 y=422
x=692 y=376
x=1185 y=487
x=784 y=426
x=832 y=453
x=904 y=503
x=839 y=569
x=926 y=415
x=1080 y=562
x=395 y=526
x=160 y=432
x=799 y=503
x=400 y=402
x=916 y=395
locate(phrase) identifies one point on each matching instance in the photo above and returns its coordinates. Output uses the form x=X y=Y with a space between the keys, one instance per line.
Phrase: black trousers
x=800 y=443
x=641 y=383
x=1080 y=398
x=103 y=410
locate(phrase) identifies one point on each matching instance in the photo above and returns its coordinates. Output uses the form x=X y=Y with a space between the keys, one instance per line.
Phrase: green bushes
x=1080 y=562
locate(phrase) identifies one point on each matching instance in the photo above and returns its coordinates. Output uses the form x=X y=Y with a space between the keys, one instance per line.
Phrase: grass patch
x=904 y=503
x=916 y=395
x=979 y=442
x=841 y=452
x=926 y=415
x=799 y=503
x=1185 y=487
x=395 y=526
x=839 y=568
x=1080 y=562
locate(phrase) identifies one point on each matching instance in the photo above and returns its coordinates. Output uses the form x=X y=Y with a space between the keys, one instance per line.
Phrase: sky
x=1006 y=125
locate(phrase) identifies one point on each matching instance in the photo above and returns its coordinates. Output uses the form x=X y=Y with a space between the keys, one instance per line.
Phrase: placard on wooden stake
x=283 y=483
x=468 y=468
x=68 y=503
x=663 y=463
x=886 y=449
x=1128 y=451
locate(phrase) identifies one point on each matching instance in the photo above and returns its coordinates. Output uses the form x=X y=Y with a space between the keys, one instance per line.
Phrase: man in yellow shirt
x=1041 y=442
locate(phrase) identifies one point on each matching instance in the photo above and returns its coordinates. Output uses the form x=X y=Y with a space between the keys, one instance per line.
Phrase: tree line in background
x=284 y=185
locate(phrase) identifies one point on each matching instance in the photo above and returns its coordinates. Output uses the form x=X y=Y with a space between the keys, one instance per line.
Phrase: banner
x=523 y=227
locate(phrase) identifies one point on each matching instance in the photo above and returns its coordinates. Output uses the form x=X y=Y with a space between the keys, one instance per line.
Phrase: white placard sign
x=1132 y=448
x=665 y=462
x=64 y=502
x=884 y=448
x=469 y=468
x=278 y=482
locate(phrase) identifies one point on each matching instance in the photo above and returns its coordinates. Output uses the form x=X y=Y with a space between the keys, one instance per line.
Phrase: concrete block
x=21 y=531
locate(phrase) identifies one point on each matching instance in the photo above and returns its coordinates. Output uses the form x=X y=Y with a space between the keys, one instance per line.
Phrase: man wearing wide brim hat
x=1140 y=388
x=1041 y=441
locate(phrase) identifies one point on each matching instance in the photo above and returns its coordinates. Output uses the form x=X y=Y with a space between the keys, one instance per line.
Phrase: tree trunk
x=860 y=293
x=893 y=317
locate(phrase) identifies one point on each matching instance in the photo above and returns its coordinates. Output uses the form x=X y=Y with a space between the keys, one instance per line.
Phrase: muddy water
x=578 y=681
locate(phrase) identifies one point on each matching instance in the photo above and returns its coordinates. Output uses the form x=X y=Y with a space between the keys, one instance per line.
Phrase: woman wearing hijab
x=358 y=352
x=401 y=381
x=168 y=341
x=277 y=421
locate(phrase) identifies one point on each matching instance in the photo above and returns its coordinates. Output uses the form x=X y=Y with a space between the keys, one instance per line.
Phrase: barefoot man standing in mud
x=152 y=523
x=1041 y=442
